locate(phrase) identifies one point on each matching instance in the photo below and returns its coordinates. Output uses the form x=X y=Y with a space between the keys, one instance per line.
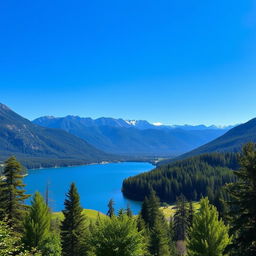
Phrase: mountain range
x=37 y=146
x=232 y=141
x=120 y=123
x=71 y=140
x=134 y=137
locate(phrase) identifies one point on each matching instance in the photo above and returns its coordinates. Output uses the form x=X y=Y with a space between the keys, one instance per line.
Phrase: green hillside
x=91 y=215
x=232 y=141
x=37 y=146
x=194 y=177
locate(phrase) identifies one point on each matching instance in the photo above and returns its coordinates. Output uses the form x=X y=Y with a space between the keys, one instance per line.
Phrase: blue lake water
x=96 y=184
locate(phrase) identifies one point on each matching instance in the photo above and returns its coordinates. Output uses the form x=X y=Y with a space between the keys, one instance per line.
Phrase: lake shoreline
x=96 y=183
x=154 y=163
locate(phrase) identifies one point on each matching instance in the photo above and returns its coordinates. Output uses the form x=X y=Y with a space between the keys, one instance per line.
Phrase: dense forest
x=196 y=177
x=31 y=230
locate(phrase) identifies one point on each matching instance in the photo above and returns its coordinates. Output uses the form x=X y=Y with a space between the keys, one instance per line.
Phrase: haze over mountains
x=49 y=141
x=38 y=146
x=134 y=137
x=120 y=123
x=232 y=141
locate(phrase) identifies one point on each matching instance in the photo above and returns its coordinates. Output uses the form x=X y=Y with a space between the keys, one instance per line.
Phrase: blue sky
x=174 y=62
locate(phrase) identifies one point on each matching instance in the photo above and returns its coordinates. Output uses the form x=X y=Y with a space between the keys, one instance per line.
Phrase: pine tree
x=12 y=194
x=181 y=219
x=37 y=231
x=220 y=202
x=190 y=214
x=173 y=250
x=129 y=211
x=243 y=204
x=145 y=212
x=111 y=210
x=208 y=235
x=159 y=238
x=121 y=212
x=37 y=223
x=156 y=226
x=73 y=225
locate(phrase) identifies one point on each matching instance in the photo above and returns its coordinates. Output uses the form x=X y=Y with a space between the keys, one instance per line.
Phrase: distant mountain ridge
x=232 y=141
x=122 y=123
x=38 y=146
x=134 y=137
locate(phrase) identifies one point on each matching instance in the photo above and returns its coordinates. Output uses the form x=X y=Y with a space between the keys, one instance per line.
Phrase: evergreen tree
x=117 y=236
x=37 y=223
x=199 y=175
x=111 y=210
x=156 y=226
x=121 y=212
x=208 y=235
x=37 y=232
x=190 y=214
x=173 y=250
x=159 y=238
x=73 y=225
x=129 y=211
x=12 y=194
x=220 y=202
x=145 y=212
x=243 y=204
x=181 y=219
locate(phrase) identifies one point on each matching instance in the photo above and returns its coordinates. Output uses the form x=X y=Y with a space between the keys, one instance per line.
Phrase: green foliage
x=111 y=210
x=194 y=177
x=243 y=204
x=117 y=236
x=156 y=229
x=129 y=211
x=10 y=243
x=173 y=250
x=52 y=245
x=181 y=219
x=37 y=223
x=159 y=238
x=208 y=235
x=37 y=233
x=12 y=194
x=73 y=233
x=190 y=214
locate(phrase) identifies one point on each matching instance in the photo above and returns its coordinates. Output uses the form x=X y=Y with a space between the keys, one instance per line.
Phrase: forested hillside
x=31 y=230
x=232 y=141
x=37 y=146
x=194 y=177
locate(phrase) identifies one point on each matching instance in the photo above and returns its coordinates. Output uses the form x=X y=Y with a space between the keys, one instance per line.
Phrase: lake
x=96 y=184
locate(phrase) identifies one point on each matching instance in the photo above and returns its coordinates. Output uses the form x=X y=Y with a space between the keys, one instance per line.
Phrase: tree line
x=195 y=177
x=30 y=230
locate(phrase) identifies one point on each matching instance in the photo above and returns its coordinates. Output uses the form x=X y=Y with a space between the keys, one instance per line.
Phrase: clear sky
x=169 y=61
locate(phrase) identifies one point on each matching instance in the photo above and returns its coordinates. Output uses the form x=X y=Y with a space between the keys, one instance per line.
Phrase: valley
x=128 y=128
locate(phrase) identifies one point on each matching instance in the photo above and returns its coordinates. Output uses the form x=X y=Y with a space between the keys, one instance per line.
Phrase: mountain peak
x=35 y=145
x=131 y=122
x=4 y=107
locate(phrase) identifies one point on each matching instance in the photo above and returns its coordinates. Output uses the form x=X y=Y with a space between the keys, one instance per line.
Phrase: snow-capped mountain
x=134 y=137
